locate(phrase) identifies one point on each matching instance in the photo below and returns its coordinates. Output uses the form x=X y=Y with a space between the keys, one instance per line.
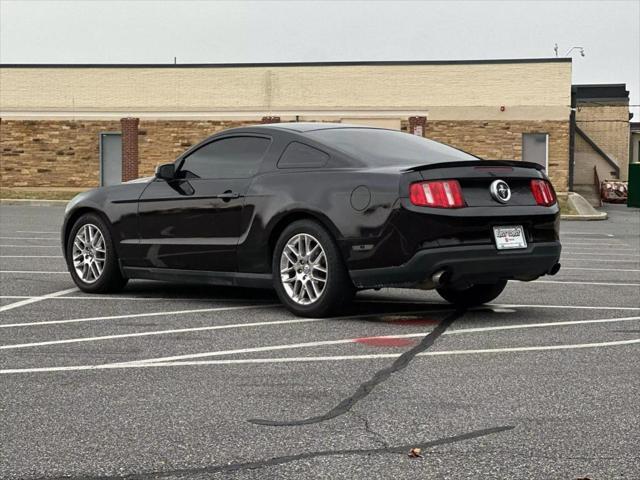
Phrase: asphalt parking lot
x=174 y=381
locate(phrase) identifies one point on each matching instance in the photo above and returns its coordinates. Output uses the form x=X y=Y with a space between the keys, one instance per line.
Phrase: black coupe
x=318 y=211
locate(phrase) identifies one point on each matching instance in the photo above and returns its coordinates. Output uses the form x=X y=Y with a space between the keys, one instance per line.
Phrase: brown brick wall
x=503 y=141
x=130 y=161
x=51 y=153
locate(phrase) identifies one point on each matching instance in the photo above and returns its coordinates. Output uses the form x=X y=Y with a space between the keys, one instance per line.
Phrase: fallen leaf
x=415 y=453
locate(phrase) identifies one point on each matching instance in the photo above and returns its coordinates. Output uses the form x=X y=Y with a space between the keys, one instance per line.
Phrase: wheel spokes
x=89 y=253
x=303 y=269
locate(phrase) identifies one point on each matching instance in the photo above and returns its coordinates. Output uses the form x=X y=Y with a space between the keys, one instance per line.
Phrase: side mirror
x=166 y=171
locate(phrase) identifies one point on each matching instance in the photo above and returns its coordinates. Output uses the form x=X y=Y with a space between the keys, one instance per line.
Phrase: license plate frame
x=509 y=237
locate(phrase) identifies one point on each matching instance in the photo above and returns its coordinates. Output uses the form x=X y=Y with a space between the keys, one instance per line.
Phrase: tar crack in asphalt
x=367 y=387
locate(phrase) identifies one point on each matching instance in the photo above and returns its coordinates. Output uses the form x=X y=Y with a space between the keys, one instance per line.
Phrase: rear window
x=388 y=147
x=299 y=155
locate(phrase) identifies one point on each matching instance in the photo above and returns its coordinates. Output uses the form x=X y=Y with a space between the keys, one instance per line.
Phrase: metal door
x=535 y=148
x=110 y=158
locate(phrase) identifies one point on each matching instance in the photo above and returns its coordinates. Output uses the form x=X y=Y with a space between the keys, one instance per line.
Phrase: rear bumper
x=464 y=264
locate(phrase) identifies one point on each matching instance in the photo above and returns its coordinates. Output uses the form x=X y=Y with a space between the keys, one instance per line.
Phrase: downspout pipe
x=572 y=136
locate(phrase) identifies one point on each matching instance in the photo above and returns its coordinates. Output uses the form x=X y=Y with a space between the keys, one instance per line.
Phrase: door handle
x=228 y=195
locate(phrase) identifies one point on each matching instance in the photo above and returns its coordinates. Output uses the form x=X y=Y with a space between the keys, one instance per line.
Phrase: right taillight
x=543 y=192
x=437 y=194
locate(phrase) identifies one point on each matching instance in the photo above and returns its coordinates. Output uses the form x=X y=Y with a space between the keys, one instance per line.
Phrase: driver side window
x=233 y=157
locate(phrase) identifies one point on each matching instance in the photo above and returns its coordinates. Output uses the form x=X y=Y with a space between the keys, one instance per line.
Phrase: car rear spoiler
x=476 y=163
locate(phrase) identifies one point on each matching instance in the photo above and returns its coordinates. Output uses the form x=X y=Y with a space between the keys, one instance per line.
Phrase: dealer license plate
x=508 y=238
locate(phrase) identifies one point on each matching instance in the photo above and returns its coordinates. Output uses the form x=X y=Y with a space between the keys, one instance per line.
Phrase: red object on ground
x=385 y=341
x=614 y=191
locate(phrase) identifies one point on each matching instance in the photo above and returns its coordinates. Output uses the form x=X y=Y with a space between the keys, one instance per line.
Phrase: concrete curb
x=585 y=209
x=33 y=202
x=599 y=216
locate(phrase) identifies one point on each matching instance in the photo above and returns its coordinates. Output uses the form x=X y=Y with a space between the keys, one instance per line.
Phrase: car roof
x=303 y=127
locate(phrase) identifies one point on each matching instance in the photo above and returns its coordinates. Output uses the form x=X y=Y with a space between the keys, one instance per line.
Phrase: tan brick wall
x=543 y=87
x=51 y=153
x=586 y=159
x=608 y=127
x=503 y=141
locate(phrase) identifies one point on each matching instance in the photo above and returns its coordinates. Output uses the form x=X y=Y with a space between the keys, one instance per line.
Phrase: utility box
x=633 y=198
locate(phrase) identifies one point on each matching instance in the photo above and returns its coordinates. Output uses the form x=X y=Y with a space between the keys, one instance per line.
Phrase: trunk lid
x=476 y=177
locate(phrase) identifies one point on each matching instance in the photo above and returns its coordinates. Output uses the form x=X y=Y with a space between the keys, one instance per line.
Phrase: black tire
x=110 y=279
x=474 y=295
x=338 y=290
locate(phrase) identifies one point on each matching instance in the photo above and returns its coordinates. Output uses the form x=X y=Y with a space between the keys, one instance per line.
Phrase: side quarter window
x=232 y=157
x=299 y=155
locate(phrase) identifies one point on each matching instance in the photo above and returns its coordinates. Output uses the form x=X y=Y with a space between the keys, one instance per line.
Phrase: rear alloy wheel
x=308 y=271
x=91 y=257
x=474 y=295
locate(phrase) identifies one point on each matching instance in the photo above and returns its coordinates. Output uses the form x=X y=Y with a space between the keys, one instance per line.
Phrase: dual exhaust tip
x=442 y=277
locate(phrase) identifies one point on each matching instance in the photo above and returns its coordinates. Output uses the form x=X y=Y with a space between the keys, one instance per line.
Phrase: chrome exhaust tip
x=440 y=278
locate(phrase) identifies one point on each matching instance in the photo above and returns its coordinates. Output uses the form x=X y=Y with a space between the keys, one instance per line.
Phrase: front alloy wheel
x=91 y=257
x=303 y=269
x=89 y=253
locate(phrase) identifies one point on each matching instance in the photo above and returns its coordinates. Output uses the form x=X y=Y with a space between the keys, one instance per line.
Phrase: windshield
x=379 y=147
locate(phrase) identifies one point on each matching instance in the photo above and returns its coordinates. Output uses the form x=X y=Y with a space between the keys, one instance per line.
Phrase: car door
x=193 y=222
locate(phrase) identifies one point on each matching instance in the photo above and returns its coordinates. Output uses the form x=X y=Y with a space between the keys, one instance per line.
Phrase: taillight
x=543 y=192
x=438 y=194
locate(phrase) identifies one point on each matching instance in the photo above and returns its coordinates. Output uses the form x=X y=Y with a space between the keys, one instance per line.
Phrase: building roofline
x=607 y=93
x=287 y=64
x=605 y=85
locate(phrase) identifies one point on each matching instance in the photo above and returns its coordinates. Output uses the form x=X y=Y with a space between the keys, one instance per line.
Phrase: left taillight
x=437 y=194
x=543 y=192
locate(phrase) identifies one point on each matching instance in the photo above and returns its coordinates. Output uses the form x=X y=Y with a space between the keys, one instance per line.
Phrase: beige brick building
x=53 y=116
x=602 y=136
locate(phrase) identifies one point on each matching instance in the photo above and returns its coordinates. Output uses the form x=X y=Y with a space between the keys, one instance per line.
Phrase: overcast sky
x=149 y=31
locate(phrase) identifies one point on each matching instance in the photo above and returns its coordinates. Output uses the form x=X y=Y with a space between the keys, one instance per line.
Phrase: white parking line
x=28 y=301
x=135 y=315
x=610 y=284
x=33 y=271
x=591 y=260
x=31 y=256
x=117 y=298
x=601 y=269
x=587 y=233
x=352 y=340
x=160 y=332
x=497 y=305
x=577 y=307
x=31 y=231
x=30 y=246
x=30 y=238
x=241 y=361
x=616 y=244
x=594 y=249
x=576 y=254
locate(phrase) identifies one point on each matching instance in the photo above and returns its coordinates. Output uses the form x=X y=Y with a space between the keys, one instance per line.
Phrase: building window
x=535 y=148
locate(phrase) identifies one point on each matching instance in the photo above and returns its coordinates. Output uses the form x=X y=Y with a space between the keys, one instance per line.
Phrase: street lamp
x=580 y=49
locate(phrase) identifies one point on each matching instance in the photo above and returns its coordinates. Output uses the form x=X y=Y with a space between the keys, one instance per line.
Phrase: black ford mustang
x=319 y=211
